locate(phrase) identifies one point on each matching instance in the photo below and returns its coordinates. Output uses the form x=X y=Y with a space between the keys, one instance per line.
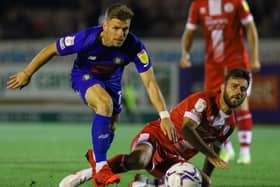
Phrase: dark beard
x=227 y=101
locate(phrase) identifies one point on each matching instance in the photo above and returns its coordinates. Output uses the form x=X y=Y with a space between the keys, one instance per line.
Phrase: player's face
x=235 y=91
x=115 y=32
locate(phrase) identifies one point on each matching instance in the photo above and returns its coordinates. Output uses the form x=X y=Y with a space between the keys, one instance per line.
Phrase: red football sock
x=117 y=163
x=244 y=120
x=245 y=125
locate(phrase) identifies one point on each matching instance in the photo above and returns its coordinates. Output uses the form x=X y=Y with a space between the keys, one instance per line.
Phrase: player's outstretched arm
x=252 y=35
x=189 y=131
x=190 y=134
x=158 y=102
x=22 y=78
x=210 y=163
x=187 y=39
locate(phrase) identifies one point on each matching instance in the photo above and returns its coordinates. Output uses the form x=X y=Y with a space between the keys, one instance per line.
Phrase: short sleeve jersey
x=214 y=127
x=221 y=21
x=94 y=57
x=203 y=108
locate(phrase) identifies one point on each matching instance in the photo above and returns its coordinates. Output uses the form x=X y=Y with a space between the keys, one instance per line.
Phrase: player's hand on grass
x=185 y=61
x=19 y=80
x=168 y=129
x=217 y=162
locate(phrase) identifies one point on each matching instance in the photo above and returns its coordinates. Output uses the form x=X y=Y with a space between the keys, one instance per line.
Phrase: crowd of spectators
x=21 y=19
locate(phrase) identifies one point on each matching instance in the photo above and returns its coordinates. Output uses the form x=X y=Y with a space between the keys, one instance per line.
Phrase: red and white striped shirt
x=222 y=21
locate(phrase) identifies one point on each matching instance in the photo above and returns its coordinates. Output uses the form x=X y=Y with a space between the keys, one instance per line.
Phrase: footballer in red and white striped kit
x=203 y=120
x=222 y=22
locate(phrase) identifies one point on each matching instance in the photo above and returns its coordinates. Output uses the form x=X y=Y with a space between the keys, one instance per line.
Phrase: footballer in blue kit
x=98 y=64
x=102 y=54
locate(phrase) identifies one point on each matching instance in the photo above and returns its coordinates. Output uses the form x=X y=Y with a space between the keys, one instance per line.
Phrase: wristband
x=164 y=114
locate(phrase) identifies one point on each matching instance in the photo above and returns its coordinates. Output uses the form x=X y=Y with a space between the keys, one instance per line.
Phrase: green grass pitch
x=41 y=154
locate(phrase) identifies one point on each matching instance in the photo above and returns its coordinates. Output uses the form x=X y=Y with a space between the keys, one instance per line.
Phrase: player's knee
x=137 y=160
x=104 y=107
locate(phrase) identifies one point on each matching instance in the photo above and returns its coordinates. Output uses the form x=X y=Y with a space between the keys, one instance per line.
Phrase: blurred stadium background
x=26 y=26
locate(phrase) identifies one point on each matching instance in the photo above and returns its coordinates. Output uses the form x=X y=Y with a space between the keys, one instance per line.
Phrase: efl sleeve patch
x=69 y=41
x=143 y=57
x=200 y=105
x=67 y=45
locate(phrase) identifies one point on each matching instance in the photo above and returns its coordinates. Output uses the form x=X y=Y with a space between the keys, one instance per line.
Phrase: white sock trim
x=245 y=137
x=99 y=165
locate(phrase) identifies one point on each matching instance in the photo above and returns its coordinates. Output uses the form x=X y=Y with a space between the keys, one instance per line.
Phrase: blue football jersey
x=101 y=60
x=98 y=64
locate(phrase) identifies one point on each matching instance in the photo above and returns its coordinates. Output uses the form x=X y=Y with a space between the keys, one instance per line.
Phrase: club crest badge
x=86 y=77
x=228 y=7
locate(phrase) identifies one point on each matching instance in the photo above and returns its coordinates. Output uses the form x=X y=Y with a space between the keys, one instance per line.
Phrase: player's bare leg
x=139 y=158
x=101 y=102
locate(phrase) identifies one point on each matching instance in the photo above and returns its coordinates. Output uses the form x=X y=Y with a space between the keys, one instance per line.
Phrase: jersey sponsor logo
x=92 y=58
x=245 y=6
x=61 y=43
x=69 y=40
x=216 y=23
x=228 y=7
x=143 y=57
x=103 y=68
x=200 y=105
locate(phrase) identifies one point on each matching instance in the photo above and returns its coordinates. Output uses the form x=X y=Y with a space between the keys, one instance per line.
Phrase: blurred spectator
x=275 y=18
x=153 y=18
x=15 y=23
x=145 y=16
x=88 y=14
